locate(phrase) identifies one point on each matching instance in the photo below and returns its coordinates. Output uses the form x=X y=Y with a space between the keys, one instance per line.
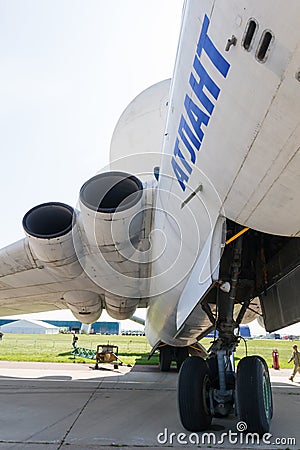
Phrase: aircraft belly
x=250 y=139
x=255 y=169
x=161 y=323
x=231 y=147
x=267 y=185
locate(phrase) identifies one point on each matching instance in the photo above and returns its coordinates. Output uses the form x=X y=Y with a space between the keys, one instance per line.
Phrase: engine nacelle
x=111 y=206
x=120 y=308
x=51 y=232
x=86 y=306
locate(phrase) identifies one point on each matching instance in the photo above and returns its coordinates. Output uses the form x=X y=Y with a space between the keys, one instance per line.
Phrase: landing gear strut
x=210 y=387
x=165 y=358
x=167 y=354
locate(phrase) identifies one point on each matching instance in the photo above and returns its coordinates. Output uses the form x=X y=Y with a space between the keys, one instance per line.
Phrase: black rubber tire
x=193 y=394
x=254 y=403
x=269 y=384
x=165 y=358
x=212 y=363
x=181 y=354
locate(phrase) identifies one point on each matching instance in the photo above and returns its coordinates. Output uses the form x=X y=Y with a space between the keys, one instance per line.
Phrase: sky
x=68 y=70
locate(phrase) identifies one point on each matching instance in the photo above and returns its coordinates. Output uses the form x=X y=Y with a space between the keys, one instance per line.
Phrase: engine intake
x=48 y=220
x=108 y=203
x=111 y=215
x=51 y=234
x=111 y=191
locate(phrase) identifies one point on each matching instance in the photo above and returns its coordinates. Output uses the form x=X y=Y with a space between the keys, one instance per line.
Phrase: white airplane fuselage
x=231 y=149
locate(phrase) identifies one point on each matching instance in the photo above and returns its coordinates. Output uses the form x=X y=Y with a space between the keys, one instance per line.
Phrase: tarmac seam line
x=62 y=442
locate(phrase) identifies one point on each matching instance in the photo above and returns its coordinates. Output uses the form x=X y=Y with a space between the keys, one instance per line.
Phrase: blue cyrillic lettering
x=206 y=44
x=184 y=130
x=192 y=138
x=196 y=116
x=204 y=80
x=203 y=35
x=181 y=176
x=177 y=152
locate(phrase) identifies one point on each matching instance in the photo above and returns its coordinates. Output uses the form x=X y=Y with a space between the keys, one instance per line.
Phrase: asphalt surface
x=71 y=406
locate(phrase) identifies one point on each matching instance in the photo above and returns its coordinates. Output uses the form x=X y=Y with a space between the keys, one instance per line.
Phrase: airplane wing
x=27 y=285
x=95 y=257
x=45 y=274
x=84 y=260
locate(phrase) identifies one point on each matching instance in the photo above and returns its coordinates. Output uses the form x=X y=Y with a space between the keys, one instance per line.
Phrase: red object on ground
x=275 y=357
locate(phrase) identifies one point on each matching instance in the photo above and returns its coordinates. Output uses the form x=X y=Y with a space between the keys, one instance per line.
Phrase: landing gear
x=211 y=388
x=165 y=358
x=181 y=354
x=194 y=387
x=167 y=354
x=202 y=393
x=254 y=395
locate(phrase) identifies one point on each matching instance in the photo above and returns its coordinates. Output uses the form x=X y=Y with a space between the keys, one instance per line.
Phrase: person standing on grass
x=296 y=358
x=75 y=339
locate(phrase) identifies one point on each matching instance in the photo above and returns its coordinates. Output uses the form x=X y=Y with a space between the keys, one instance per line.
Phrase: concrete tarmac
x=70 y=406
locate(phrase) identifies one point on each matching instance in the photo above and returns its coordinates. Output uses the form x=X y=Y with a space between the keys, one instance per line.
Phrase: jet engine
x=51 y=232
x=112 y=217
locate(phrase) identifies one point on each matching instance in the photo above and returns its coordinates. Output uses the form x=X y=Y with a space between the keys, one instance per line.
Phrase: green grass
x=132 y=349
x=264 y=347
x=58 y=348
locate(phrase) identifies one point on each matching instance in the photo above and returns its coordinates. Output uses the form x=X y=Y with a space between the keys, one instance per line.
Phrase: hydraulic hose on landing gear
x=225 y=323
x=221 y=370
x=236 y=265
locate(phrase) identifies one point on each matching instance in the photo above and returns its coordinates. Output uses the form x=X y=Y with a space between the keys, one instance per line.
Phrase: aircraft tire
x=165 y=358
x=181 y=354
x=269 y=384
x=254 y=394
x=193 y=394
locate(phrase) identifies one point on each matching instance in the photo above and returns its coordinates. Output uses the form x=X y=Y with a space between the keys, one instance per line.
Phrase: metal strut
x=222 y=397
x=225 y=322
